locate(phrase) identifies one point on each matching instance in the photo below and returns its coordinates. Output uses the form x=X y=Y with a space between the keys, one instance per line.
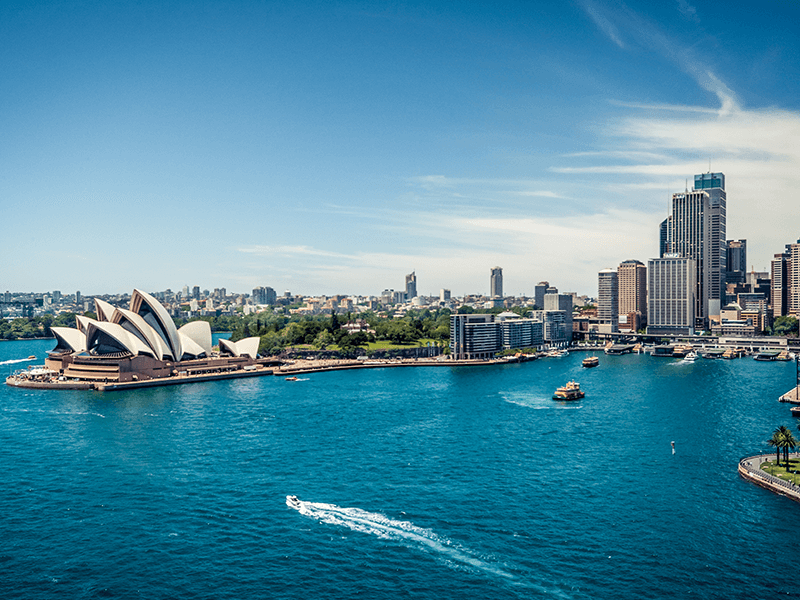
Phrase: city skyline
x=334 y=148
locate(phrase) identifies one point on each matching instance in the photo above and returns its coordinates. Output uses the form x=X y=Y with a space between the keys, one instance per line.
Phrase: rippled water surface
x=420 y=483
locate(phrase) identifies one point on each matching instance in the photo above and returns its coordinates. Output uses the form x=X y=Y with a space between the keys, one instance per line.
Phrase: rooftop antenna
x=686 y=182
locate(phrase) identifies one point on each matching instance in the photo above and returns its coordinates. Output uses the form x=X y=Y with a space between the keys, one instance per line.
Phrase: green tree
x=789 y=443
x=323 y=340
x=786 y=326
x=776 y=441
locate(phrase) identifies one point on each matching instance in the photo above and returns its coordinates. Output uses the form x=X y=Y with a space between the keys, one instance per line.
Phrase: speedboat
x=691 y=357
x=291 y=379
x=293 y=502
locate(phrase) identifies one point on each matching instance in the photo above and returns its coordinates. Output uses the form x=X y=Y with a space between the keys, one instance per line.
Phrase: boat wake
x=402 y=532
x=16 y=360
x=535 y=403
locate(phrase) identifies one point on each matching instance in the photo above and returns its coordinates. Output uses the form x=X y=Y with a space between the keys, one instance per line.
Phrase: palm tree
x=789 y=443
x=776 y=441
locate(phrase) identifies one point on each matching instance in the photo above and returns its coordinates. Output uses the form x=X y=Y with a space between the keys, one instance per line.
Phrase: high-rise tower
x=697 y=230
x=411 y=285
x=496 y=282
x=632 y=275
x=608 y=300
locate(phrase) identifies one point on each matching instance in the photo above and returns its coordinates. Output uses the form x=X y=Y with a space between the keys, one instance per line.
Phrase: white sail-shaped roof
x=200 y=333
x=124 y=339
x=158 y=318
x=245 y=347
x=130 y=320
x=103 y=309
x=191 y=349
x=82 y=322
x=69 y=338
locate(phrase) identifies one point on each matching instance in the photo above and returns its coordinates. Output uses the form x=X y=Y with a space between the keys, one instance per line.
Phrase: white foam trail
x=527 y=401
x=404 y=532
x=16 y=360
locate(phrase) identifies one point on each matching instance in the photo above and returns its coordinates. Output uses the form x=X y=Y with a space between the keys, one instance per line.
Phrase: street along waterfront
x=431 y=482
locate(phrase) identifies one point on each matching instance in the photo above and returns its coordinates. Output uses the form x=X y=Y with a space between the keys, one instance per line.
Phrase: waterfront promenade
x=750 y=469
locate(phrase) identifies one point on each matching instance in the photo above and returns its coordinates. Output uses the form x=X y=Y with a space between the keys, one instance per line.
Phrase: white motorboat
x=293 y=502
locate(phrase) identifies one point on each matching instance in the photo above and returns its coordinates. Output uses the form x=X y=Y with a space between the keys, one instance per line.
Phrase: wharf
x=792 y=396
x=319 y=366
x=112 y=386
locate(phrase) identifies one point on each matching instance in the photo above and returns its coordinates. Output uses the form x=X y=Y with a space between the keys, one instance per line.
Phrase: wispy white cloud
x=603 y=23
x=688 y=11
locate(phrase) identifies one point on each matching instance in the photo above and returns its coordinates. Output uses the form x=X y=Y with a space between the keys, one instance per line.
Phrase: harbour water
x=414 y=482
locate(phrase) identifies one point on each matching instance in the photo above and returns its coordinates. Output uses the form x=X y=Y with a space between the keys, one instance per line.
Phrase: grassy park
x=792 y=475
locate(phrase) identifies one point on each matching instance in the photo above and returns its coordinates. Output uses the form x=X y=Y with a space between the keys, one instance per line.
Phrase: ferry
x=592 y=361
x=767 y=355
x=571 y=391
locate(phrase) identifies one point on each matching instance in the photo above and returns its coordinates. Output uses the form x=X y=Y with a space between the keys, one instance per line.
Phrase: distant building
x=496 y=282
x=444 y=295
x=411 y=285
x=473 y=336
x=264 y=295
x=196 y=292
x=671 y=295
x=632 y=280
x=696 y=230
x=476 y=336
x=538 y=293
x=780 y=280
x=794 y=279
x=608 y=300
x=664 y=230
x=737 y=261
x=78 y=298
x=563 y=303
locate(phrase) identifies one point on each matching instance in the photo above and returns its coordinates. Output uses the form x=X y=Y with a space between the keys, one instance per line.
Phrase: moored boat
x=591 y=361
x=571 y=391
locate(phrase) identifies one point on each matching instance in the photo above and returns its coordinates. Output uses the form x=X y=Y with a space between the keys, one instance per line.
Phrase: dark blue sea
x=422 y=483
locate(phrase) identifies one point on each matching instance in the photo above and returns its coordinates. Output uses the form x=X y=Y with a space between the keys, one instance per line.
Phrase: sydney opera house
x=142 y=344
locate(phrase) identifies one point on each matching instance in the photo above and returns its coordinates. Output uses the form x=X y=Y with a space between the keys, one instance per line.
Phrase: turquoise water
x=421 y=483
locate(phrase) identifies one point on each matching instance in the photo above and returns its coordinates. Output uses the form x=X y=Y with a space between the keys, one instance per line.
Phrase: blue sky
x=334 y=147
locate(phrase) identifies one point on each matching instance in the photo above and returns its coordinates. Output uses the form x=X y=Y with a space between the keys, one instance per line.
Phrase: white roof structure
x=103 y=309
x=140 y=328
x=158 y=318
x=245 y=347
x=110 y=337
x=69 y=339
x=199 y=332
x=145 y=329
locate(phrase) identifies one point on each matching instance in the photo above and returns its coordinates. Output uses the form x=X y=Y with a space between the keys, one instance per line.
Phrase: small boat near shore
x=571 y=391
x=291 y=379
x=590 y=362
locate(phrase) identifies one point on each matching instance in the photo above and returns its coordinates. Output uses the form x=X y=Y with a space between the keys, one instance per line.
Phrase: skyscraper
x=538 y=293
x=632 y=277
x=664 y=231
x=411 y=285
x=671 y=295
x=697 y=230
x=608 y=300
x=496 y=282
x=561 y=302
x=794 y=279
x=779 y=284
x=736 y=261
